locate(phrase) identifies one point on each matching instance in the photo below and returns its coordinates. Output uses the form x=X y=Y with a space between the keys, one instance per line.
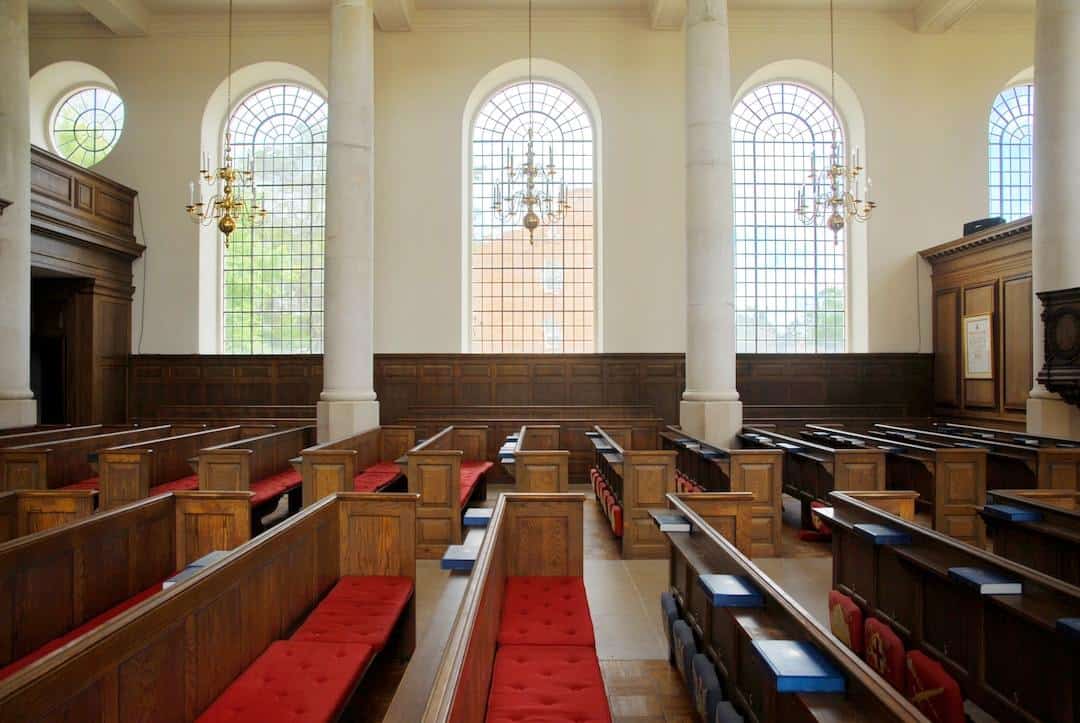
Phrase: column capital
x=706 y=11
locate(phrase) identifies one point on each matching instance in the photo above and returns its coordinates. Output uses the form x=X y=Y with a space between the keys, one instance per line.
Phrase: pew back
x=330 y=467
x=16 y=438
x=539 y=464
x=24 y=512
x=1049 y=544
x=234 y=466
x=170 y=657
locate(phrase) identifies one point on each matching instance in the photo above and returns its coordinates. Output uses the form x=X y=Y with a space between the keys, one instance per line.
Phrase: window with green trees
x=87 y=124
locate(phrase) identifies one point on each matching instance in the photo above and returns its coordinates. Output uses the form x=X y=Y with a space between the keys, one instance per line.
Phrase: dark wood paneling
x=985 y=273
x=1061 y=343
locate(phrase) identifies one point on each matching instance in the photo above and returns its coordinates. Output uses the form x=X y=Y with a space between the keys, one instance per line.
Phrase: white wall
x=925 y=100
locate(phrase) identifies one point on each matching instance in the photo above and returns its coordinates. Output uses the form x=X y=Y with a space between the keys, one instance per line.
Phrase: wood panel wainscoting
x=985 y=273
x=82 y=250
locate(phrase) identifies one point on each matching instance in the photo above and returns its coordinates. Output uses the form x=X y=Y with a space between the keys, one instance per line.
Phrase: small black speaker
x=982 y=224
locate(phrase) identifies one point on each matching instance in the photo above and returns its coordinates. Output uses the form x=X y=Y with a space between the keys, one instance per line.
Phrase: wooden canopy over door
x=83 y=241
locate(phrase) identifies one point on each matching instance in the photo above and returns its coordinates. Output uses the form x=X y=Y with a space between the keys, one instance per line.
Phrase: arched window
x=273 y=273
x=87 y=124
x=540 y=296
x=1011 y=152
x=790 y=279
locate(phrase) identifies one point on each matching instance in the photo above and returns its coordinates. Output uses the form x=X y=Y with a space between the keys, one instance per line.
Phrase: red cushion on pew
x=932 y=690
x=884 y=652
x=550 y=683
x=470 y=475
x=94 y=622
x=273 y=486
x=177 y=485
x=617 y=520
x=293 y=682
x=376 y=477
x=90 y=483
x=545 y=611
x=358 y=609
x=846 y=620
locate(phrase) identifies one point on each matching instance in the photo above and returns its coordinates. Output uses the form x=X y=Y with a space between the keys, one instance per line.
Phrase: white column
x=1055 y=248
x=17 y=405
x=348 y=403
x=710 y=406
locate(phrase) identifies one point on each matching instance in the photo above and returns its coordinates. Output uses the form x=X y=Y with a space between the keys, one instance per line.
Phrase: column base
x=346 y=418
x=1052 y=416
x=17 y=412
x=713 y=422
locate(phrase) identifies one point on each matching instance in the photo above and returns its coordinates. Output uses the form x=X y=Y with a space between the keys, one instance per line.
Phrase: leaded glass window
x=87 y=125
x=790 y=279
x=532 y=297
x=273 y=272
x=1011 y=152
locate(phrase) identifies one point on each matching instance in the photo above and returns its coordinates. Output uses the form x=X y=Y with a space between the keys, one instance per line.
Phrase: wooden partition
x=48 y=465
x=1005 y=651
x=1049 y=544
x=128 y=472
x=58 y=579
x=640 y=480
x=234 y=466
x=169 y=658
x=24 y=512
x=539 y=464
x=726 y=635
x=737 y=469
x=330 y=467
x=534 y=534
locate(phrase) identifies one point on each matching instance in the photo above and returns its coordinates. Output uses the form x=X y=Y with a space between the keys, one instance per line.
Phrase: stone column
x=710 y=406
x=17 y=406
x=348 y=403
x=1055 y=247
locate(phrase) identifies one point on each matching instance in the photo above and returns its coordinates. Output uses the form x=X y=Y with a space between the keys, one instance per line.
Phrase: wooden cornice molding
x=996 y=235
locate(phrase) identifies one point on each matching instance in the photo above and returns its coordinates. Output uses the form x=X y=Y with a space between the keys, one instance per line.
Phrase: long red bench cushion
x=90 y=483
x=293 y=682
x=94 y=622
x=183 y=484
x=358 y=610
x=545 y=611
x=375 y=477
x=551 y=683
x=273 y=486
x=471 y=472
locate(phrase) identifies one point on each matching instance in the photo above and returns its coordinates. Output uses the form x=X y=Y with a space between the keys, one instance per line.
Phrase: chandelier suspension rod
x=832 y=54
x=531 y=104
x=228 y=64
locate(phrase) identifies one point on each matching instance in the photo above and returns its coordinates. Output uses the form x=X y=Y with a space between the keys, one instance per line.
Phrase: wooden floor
x=624 y=599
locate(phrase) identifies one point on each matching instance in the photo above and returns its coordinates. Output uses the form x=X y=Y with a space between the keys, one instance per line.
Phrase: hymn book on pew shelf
x=670 y=521
x=986 y=582
x=799 y=667
x=730 y=591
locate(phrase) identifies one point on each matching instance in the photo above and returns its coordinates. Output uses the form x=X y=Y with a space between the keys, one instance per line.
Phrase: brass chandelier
x=835 y=195
x=226 y=184
x=534 y=200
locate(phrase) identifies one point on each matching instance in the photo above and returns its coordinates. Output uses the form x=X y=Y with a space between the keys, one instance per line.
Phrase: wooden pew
x=23 y=436
x=338 y=465
x=55 y=581
x=537 y=463
x=1050 y=543
x=133 y=471
x=812 y=470
x=639 y=480
x=1005 y=435
x=736 y=469
x=1010 y=465
x=440 y=469
x=59 y=463
x=725 y=635
x=170 y=657
x=262 y=465
x=24 y=512
x=1005 y=651
x=457 y=688
x=951 y=481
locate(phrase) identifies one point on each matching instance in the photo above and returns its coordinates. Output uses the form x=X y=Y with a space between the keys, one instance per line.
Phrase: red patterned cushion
x=273 y=486
x=90 y=483
x=375 y=477
x=884 y=652
x=177 y=485
x=20 y=663
x=471 y=472
x=617 y=520
x=933 y=691
x=821 y=531
x=293 y=682
x=846 y=620
x=550 y=683
x=545 y=611
x=358 y=610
